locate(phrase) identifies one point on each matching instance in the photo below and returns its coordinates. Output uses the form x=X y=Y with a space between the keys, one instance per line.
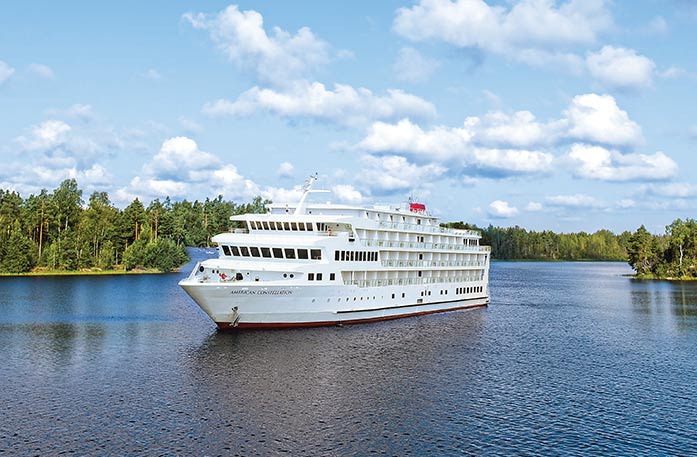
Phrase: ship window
x=332 y=276
x=286 y=226
x=392 y=295
x=302 y=253
x=266 y=225
x=290 y=253
x=343 y=255
x=310 y=276
x=277 y=253
x=226 y=249
x=421 y=256
x=351 y=256
x=309 y=226
x=244 y=251
x=319 y=276
x=255 y=251
x=265 y=252
x=316 y=254
x=336 y=255
x=235 y=251
x=301 y=226
x=402 y=294
x=418 y=222
x=294 y=226
x=420 y=274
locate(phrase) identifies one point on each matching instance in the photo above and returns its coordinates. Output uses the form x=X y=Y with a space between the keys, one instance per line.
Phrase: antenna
x=307 y=188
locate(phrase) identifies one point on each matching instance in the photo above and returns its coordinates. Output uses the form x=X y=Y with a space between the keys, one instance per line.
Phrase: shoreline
x=86 y=273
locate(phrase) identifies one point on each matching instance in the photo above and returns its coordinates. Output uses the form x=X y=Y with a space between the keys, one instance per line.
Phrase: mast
x=307 y=188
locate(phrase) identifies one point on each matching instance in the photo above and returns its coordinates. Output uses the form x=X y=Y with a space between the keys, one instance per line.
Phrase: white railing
x=426 y=263
x=414 y=245
x=428 y=229
x=409 y=281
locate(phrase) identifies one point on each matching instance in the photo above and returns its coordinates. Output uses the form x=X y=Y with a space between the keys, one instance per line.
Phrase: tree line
x=516 y=243
x=58 y=231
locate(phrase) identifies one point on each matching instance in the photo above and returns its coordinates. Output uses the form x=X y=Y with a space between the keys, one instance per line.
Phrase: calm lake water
x=569 y=358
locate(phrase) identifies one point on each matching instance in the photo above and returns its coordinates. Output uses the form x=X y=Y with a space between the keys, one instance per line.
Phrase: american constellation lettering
x=261 y=292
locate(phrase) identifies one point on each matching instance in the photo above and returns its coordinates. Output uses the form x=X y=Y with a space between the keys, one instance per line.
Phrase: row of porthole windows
x=469 y=290
x=356 y=256
x=276 y=253
x=287 y=226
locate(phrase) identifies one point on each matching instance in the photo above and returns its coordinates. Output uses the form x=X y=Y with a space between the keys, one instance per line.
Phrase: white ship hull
x=264 y=306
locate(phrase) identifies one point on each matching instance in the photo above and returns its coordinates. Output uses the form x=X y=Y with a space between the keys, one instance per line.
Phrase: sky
x=571 y=115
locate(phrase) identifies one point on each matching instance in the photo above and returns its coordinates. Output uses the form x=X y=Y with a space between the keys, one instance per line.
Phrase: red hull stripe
x=272 y=325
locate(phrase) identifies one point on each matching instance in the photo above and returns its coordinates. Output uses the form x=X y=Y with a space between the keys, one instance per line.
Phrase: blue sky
x=563 y=115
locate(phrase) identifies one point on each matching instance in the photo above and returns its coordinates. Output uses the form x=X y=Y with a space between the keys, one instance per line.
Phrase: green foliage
x=18 y=254
x=515 y=243
x=55 y=230
x=673 y=255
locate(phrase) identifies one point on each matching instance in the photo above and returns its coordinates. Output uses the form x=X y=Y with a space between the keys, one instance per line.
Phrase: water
x=569 y=358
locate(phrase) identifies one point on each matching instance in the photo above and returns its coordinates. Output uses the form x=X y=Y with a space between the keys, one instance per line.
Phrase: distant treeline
x=515 y=243
x=55 y=231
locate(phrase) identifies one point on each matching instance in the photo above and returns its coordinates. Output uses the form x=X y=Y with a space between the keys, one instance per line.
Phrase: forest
x=59 y=231
x=515 y=243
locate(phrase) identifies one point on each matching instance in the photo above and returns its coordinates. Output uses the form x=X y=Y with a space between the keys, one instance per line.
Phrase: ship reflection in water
x=568 y=358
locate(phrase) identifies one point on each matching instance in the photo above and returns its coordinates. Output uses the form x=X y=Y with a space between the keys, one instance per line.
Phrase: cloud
x=344 y=105
x=285 y=170
x=672 y=190
x=412 y=67
x=5 y=72
x=347 y=194
x=534 y=207
x=576 y=201
x=47 y=135
x=390 y=174
x=501 y=209
x=621 y=68
x=272 y=58
x=43 y=71
x=597 y=119
x=455 y=146
x=530 y=30
x=181 y=170
x=598 y=163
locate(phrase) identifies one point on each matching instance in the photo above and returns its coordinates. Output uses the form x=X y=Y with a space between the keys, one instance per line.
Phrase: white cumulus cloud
x=529 y=30
x=501 y=209
x=621 y=68
x=596 y=162
x=273 y=58
x=389 y=174
x=452 y=145
x=285 y=170
x=344 y=105
x=574 y=201
x=597 y=119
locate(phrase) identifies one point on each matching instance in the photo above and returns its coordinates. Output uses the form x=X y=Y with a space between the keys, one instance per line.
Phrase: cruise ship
x=327 y=264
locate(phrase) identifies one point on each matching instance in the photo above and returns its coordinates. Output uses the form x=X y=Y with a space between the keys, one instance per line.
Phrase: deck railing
x=409 y=281
x=414 y=245
x=427 y=263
